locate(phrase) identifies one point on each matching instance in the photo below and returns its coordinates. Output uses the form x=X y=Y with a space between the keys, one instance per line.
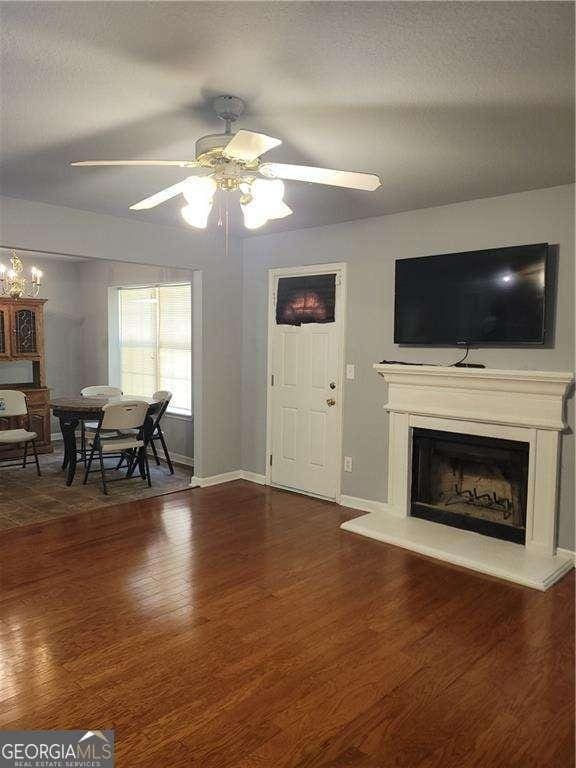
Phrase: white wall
x=370 y=248
x=37 y=226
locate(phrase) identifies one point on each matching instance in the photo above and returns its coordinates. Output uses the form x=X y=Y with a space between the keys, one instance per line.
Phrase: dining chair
x=162 y=396
x=101 y=390
x=97 y=390
x=116 y=418
x=13 y=405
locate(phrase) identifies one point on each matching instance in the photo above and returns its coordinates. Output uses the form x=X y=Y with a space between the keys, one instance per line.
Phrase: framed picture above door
x=306 y=327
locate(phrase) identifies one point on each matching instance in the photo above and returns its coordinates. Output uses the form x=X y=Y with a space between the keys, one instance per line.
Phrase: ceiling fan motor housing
x=214 y=141
x=229 y=109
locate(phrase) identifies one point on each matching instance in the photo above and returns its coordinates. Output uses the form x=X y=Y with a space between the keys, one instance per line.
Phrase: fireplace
x=494 y=437
x=476 y=483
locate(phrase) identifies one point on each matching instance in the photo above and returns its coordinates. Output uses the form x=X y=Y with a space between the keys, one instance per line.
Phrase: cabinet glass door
x=24 y=332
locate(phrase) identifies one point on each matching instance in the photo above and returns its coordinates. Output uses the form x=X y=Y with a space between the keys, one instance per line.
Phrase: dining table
x=71 y=411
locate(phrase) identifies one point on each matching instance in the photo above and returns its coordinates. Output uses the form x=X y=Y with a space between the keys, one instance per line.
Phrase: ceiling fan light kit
x=230 y=162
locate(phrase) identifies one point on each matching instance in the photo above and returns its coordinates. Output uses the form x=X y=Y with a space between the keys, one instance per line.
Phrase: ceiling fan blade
x=175 y=163
x=247 y=145
x=160 y=197
x=349 y=179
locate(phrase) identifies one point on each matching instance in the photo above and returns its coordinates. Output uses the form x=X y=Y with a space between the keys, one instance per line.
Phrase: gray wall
x=37 y=226
x=370 y=248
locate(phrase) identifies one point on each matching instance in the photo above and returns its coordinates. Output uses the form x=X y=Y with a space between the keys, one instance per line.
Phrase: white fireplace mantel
x=527 y=406
x=485 y=395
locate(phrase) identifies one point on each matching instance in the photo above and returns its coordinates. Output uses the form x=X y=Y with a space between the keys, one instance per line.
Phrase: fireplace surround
x=518 y=408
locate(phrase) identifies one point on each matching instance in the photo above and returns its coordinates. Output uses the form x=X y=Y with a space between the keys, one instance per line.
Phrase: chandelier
x=15 y=284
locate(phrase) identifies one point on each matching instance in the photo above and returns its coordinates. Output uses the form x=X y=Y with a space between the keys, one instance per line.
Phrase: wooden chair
x=162 y=396
x=13 y=405
x=108 y=441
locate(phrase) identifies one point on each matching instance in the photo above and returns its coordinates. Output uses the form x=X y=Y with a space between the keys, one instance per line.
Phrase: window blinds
x=156 y=343
x=175 y=344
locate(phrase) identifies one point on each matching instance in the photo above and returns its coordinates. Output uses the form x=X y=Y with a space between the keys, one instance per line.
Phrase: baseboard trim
x=227 y=477
x=206 y=482
x=177 y=458
x=253 y=477
x=363 y=505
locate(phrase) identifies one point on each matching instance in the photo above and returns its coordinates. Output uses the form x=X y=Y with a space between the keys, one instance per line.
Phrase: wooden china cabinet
x=22 y=339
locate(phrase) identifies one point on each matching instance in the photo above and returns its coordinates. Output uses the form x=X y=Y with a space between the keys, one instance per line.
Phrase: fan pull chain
x=227 y=230
x=219 y=198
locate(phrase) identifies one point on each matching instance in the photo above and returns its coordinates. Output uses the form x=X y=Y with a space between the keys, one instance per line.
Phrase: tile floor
x=26 y=498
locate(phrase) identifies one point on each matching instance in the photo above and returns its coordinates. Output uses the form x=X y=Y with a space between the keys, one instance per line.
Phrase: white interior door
x=305 y=404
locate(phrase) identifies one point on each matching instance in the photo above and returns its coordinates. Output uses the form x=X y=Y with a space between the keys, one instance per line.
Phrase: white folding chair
x=13 y=405
x=116 y=417
x=98 y=390
x=162 y=396
x=101 y=390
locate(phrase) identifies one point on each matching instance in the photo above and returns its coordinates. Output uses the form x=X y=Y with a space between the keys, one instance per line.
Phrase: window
x=155 y=334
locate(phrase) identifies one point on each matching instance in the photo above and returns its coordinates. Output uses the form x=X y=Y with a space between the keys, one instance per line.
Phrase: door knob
x=330 y=401
x=332 y=385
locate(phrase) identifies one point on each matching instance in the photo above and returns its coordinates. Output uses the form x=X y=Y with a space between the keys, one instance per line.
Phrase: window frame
x=114 y=345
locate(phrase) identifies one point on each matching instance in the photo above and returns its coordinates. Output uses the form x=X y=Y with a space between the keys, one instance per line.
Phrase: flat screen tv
x=496 y=296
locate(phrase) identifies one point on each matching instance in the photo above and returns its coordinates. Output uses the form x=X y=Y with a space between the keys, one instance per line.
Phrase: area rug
x=26 y=498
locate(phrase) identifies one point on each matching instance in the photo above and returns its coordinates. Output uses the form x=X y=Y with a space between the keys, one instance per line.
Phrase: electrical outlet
x=350 y=372
x=347 y=463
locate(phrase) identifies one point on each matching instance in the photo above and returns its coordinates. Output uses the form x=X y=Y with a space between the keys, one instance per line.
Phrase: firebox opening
x=475 y=483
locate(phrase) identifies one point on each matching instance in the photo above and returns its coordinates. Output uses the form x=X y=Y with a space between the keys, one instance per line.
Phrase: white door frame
x=315 y=269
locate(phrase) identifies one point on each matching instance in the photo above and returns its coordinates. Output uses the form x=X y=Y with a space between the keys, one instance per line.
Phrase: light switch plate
x=350 y=372
x=347 y=463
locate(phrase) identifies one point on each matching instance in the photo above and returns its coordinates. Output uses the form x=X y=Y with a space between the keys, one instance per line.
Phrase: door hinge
x=272 y=380
x=270 y=459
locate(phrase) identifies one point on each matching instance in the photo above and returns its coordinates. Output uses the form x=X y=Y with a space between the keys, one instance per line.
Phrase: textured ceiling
x=446 y=101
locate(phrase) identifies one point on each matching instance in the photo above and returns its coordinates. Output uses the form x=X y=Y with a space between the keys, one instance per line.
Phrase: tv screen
x=487 y=297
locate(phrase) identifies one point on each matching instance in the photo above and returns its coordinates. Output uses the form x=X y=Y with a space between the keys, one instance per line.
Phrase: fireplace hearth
x=470 y=482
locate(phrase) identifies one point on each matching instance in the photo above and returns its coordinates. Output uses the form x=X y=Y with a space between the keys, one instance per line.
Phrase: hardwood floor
x=238 y=627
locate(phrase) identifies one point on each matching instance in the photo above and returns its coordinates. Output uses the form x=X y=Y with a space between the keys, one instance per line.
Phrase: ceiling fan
x=231 y=162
